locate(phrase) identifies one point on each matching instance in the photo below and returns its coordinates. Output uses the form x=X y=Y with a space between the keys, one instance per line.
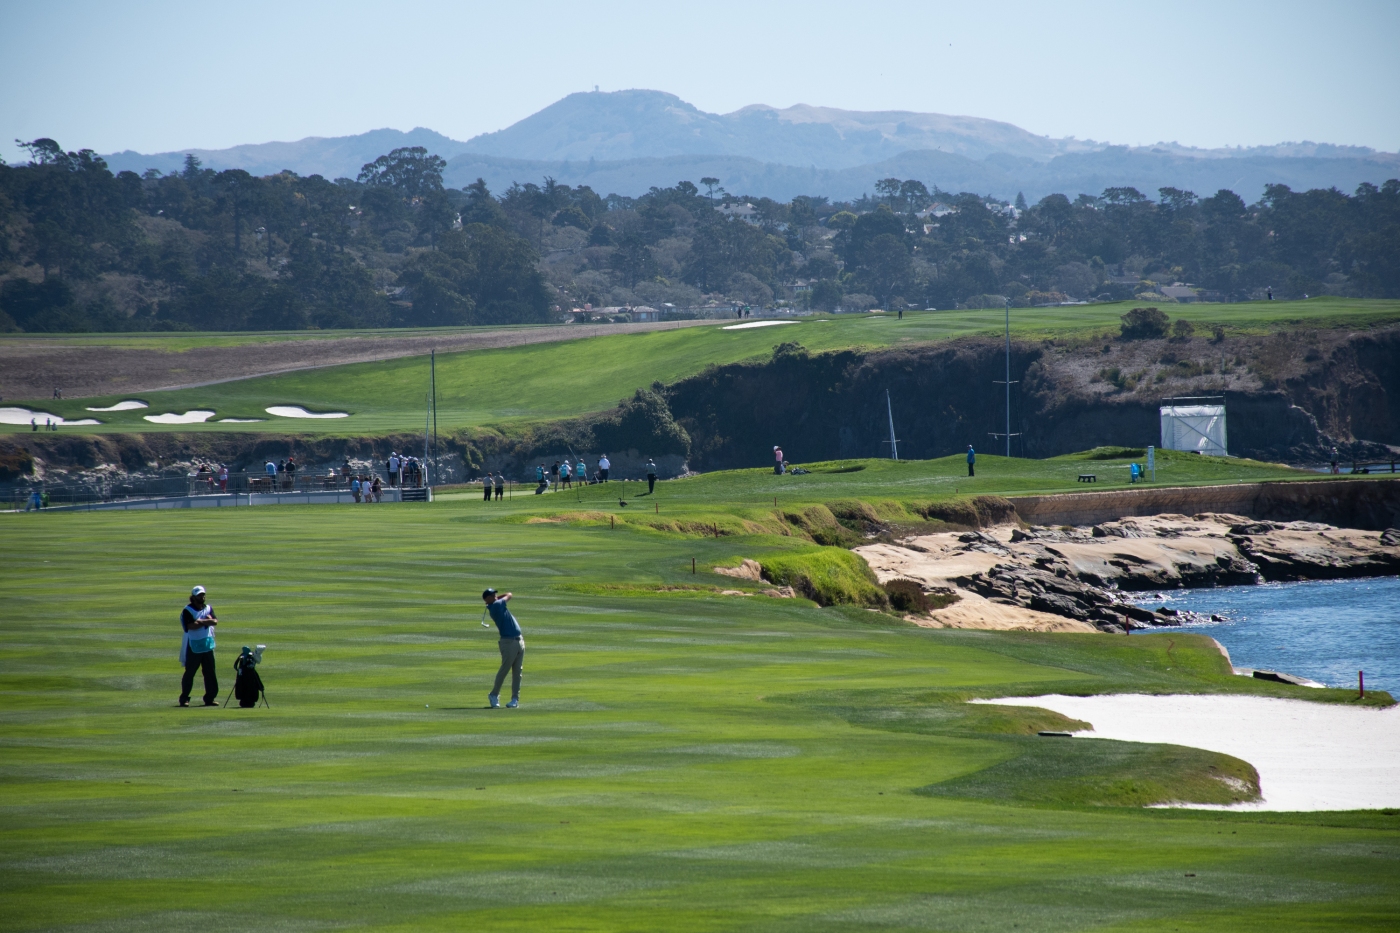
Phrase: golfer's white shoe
x=495 y=700
x=513 y=704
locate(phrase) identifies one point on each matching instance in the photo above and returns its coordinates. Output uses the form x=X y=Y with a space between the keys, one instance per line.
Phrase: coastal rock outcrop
x=1088 y=576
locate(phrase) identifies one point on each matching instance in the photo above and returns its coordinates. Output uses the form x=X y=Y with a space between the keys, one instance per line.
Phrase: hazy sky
x=156 y=76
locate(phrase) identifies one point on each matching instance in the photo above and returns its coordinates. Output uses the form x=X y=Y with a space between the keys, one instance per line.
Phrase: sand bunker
x=129 y=405
x=240 y=420
x=1310 y=756
x=756 y=324
x=196 y=416
x=296 y=411
x=24 y=416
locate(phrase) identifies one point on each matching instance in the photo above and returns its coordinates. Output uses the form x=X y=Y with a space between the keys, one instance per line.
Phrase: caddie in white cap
x=197 y=648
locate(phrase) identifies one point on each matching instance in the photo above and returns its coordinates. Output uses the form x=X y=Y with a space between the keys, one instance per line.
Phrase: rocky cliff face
x=1288 y=397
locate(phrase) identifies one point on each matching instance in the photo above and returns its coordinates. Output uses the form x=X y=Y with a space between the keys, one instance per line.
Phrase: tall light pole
x=1008 y=380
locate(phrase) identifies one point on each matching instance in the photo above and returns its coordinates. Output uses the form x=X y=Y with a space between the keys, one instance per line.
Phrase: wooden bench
x=1088 y=478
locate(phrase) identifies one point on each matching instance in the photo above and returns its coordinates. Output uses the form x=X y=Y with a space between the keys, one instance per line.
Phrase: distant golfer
x=651 y=476
x=777 y=460
x=971 y=461
x=604 y=464
x=512 y=646
x=197 y=648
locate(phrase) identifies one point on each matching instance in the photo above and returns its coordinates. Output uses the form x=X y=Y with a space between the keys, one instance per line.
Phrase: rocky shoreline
x=1084 y=578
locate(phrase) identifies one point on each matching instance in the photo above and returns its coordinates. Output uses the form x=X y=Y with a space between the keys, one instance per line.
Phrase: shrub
x=1182 y=329
x=906 y=595
x=1144 y=324
x=14 y=463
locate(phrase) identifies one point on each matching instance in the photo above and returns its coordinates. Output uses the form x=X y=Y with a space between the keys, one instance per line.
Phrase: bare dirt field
x=32 y=369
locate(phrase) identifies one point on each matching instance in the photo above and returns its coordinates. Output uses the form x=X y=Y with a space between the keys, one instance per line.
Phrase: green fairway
x=546 y=381
x=683 y=760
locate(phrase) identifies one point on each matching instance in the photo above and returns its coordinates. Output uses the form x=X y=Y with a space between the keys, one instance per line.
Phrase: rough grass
x=684 y=760
x=550 y=381
x=828 y=576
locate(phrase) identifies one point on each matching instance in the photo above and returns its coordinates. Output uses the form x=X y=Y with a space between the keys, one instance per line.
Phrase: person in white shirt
x=197 y=648
x=603 y=466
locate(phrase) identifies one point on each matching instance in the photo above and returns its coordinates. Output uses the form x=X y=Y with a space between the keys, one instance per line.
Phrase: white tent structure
x=1193 y=427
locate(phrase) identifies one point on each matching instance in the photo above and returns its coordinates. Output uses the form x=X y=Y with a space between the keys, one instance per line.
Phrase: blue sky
x=155 y=76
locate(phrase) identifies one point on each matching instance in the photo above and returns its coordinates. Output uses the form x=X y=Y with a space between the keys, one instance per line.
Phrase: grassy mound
x=829 y=576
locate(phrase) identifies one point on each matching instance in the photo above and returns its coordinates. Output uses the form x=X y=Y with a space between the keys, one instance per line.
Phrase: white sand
x=756 y=324
x=1310 y=756
x=130 y=404
x=23 y=416
x=296 y=411
x=239 y=420
x=196 y=416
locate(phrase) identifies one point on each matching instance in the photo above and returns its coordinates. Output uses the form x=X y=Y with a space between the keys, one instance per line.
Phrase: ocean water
x=1326 y=630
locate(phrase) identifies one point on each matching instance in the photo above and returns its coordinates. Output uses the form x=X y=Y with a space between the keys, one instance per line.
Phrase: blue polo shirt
x=500 y=614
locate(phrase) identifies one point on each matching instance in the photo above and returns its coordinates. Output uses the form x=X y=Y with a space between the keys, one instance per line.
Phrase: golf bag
x=247 y=686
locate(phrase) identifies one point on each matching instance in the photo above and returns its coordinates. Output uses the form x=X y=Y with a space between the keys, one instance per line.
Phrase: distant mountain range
x=625 y=142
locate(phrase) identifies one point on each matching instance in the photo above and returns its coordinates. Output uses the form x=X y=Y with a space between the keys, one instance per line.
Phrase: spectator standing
x=554 y=475
x=971 y=461
x=291 y=473
x=565 y=475
x=394 y=463
x=271 y=469
x=35 y=502
x=378 y=490
x=486 y=488
x=223 y=477
x=33 y=424
x=355 y=488
x=651 y=476
x=500 y=486
x=777 y=460
x=1335 y=468
x=603 y=466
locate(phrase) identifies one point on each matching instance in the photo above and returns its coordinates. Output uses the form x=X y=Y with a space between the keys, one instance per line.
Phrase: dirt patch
x=31 y=368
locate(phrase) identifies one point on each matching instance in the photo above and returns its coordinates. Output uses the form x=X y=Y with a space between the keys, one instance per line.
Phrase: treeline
x=909 y=245
x=83 y=249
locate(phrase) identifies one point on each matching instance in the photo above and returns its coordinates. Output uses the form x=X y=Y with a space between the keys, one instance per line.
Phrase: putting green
x=557 y=380
x=683 y=761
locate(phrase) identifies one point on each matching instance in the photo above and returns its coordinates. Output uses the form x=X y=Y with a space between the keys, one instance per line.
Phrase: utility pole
x=1008 y=382
x=432 y=362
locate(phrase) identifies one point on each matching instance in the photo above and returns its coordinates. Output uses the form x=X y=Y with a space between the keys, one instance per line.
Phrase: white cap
x=197 y=591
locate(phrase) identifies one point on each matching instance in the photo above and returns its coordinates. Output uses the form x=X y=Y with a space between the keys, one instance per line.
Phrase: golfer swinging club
x=512 y=645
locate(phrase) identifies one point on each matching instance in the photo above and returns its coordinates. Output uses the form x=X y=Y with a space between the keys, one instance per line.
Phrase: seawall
x=1371 y=504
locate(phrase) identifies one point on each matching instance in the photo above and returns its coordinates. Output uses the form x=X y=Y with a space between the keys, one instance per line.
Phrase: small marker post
x=613 y=520
x=1361 y=685
x=658 y=507
x=692 y=566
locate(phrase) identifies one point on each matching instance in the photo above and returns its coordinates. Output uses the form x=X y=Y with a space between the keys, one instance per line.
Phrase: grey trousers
x=512 y=661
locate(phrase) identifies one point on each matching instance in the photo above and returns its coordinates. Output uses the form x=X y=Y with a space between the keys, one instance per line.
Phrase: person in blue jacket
x=512 y=645
x=971 y=461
